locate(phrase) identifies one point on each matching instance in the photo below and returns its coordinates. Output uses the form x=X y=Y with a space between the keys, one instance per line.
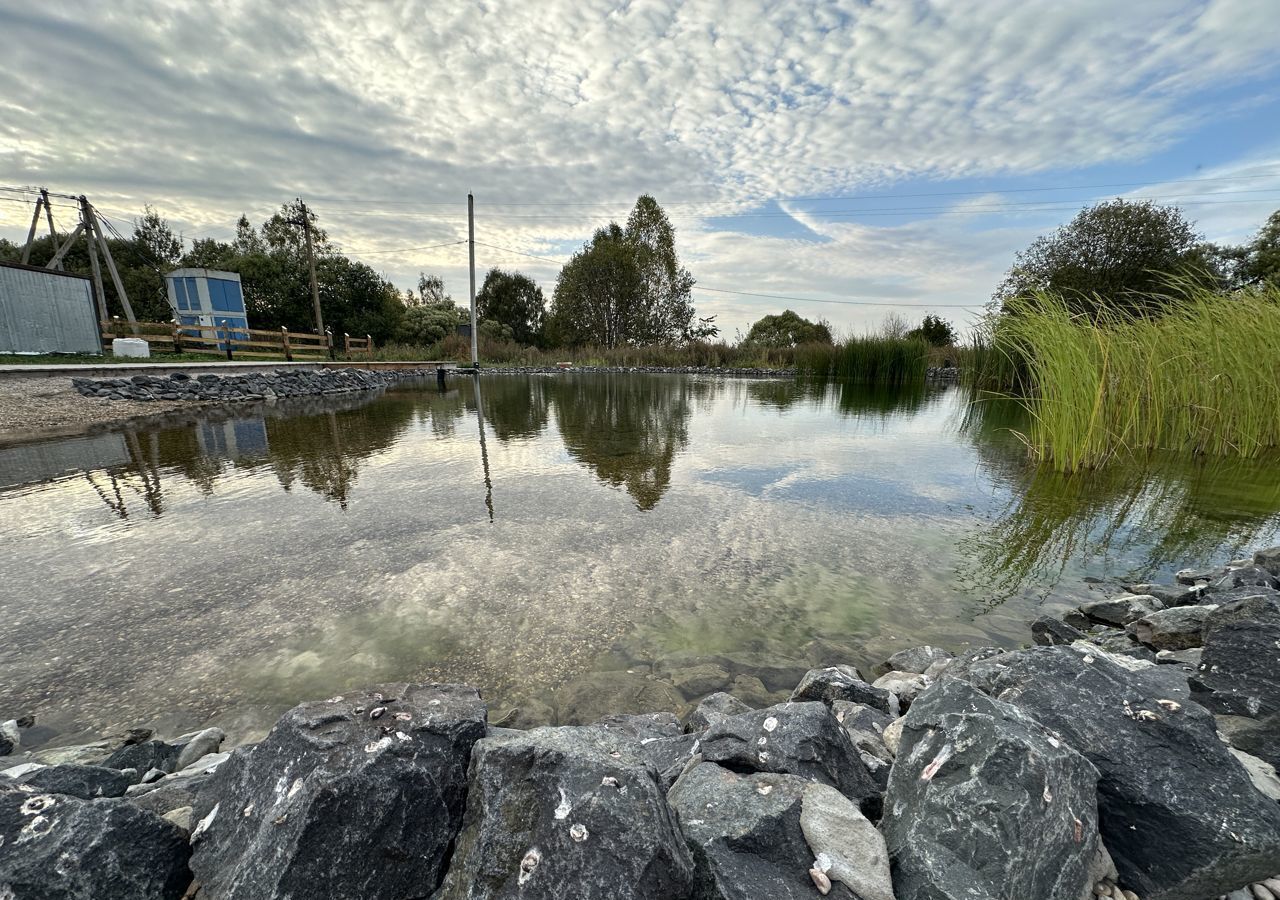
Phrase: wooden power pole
x=311 y=265
x=471 y=247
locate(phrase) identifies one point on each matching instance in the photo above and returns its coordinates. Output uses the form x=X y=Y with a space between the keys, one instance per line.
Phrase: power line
x=411 y=249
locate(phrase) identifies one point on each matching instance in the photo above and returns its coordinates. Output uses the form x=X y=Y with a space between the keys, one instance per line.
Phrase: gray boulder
x=660 y=740
x=745 y=835
x=1170 y=594
x=1175 y=832
x=191 y=747
x=843 y=683
x=906 y=686
x=145 y=756
x=915 y=659
x=984 y=802
x=1120 y=611
x=566 y=812
x=1178 y=628
x=865 y=727
x=1247 y=576
x=1268 y=559
x=1194 y=576
x=715 y=708
x=802 y=739
x=357 y=796
x=1121 y=643
x=58 y=847
x=1050 y=632
x=85 y=782
x=1239 y=673
x=847 y=848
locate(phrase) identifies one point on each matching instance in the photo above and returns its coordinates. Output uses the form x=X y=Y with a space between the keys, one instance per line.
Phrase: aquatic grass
x=1203 y=378
x=871 y=359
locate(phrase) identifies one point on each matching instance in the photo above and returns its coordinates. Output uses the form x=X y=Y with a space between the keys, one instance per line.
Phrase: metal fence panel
x=42 y=311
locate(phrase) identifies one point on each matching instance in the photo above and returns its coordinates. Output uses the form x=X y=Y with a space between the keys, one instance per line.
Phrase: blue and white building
x=207 y=298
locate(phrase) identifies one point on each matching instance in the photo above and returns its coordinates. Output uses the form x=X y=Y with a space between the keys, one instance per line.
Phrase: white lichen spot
x=334 y=700
x=37 y=804
x=563 y=808
x=203 y=825
x=763 y=740
x=763 y=756
x=770 y=724
x=608 y=781
x=528 y=865
x=38 y=826
x=402 y=737
x=1088 y=659
x=764 y=789
x=374 y=746
x=248 y=811
x=437 y=703
x=1048 y=797
x=294 y=788
x=579 y=832
x=1170 y=705
x=404 y=717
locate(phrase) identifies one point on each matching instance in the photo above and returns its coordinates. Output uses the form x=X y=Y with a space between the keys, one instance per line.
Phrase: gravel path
x=29 y=406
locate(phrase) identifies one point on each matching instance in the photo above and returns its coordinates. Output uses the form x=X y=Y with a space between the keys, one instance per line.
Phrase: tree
x=493 y=330
x=1120 y=255
x=625 y=286
x=425 y=325
x=787 y=329
x=514 y=301
x=154 y=236
x=937 y=331
x=1258 y=262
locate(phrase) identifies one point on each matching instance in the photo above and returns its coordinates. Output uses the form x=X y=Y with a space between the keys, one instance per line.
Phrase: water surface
x=570 y=544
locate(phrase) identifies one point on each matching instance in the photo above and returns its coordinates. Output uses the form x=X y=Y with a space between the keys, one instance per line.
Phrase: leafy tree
x=937 y=331
x=625 y=286
x=1119 y=255
x=425 y=325
x=1257 y=262
x=514 y=301
x=154 y=236
x=493 y=330
x=787 y=329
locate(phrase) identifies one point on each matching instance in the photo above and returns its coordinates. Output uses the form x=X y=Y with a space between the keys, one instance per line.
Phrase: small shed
x=207 y=298
x=44 y=311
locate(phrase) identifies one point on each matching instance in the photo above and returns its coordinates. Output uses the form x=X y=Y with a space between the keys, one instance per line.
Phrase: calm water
x=571 y=544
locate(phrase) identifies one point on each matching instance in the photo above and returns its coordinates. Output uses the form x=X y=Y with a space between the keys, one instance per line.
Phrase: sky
x=852 y=158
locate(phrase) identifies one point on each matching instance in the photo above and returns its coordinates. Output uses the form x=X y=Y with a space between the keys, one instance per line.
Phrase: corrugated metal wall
x=46 y=312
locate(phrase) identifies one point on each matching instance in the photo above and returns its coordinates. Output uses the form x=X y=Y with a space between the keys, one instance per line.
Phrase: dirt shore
x=31 y=406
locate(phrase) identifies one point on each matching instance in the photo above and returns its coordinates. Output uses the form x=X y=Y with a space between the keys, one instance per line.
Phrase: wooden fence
x=176 y=338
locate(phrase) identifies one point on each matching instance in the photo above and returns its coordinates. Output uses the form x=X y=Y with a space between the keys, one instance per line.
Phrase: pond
x=574 y=545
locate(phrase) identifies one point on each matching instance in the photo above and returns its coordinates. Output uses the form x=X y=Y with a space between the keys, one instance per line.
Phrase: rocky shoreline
x=242 y=387
x=1128 y=753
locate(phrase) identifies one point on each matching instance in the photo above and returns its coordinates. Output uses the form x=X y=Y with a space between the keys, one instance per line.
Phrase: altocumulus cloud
x=380 y=113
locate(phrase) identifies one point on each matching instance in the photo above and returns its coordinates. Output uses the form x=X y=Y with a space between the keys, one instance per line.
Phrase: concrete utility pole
x=471 y=248
x=311 y=265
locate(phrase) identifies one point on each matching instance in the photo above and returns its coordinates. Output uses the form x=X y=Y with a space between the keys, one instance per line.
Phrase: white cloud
x=376 y=113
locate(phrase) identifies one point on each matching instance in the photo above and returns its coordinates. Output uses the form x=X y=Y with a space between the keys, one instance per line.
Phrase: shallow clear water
x=571 y=544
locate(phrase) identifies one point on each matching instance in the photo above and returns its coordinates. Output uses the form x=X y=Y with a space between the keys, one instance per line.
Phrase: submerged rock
x=598 y=694
x=915 y=660
x=984 y=802
x=802 y=739
x=843 y=683
x=1050 y=632
x=337 y=803
x=58 y=847
x=1178 y=812
x=1120 y=611
x=566 y=812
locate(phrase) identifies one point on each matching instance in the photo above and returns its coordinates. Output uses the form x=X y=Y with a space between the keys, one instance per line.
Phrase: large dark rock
x=916 y=660
x=661 y=741
x=1247 y=576
x=144 y=757
x=566 y=812
x=1269 y=559
x=1170 y=594
x=843 y=683
x=715 y=708
x=85 y=782
x=1177 y=811
x=744 y=832
x=1239 y=672
x=58 y=847
x=358 y=796
x=984 y=802
x=1050 y=632
x=802 y=739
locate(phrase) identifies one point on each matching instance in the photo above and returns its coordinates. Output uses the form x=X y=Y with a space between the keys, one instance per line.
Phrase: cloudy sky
x=879 y=155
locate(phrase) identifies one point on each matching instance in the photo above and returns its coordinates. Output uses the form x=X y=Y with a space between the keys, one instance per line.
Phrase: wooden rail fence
x=225 y=338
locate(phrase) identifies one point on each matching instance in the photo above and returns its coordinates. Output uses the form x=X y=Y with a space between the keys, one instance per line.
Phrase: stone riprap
x=1102 y=763
x=244 y=387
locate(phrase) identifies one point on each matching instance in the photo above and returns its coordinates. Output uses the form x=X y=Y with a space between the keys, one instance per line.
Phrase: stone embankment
x=1128 y=754
x=246 y=386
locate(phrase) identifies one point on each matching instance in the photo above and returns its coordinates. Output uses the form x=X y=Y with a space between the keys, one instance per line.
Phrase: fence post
x=368 y=345
x=284 y=342
x=333 y=351
x=346 y=344
x=177 y=337
x=116 y=329
x=227 y=330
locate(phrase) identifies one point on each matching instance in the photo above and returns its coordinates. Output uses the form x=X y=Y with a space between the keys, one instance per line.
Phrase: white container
x=134 y=347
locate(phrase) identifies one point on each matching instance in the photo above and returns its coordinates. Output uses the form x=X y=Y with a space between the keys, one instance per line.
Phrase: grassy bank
x=1202 y=379
x=866 y=360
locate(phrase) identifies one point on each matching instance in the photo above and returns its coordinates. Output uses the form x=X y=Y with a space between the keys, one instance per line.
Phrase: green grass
x=1203 y=379
x=872 y=359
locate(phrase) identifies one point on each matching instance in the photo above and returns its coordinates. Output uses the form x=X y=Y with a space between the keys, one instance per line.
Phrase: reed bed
x=872 y=359
x=1203 y=378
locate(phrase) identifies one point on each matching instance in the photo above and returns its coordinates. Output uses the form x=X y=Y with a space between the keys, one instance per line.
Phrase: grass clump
x=871 y=359
x=1202 y=378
